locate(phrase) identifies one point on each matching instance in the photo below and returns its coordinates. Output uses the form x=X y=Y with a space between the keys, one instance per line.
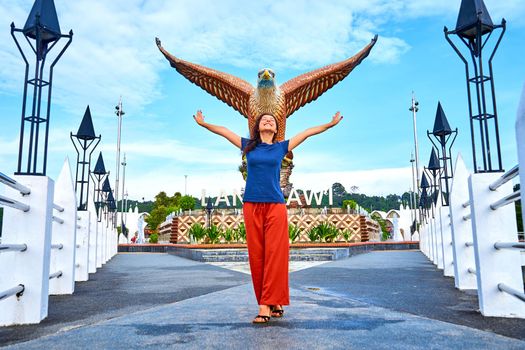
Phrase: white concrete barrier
x=63 y=237
x=462 y=240
x=82 y=253
x=29 y=268
x=497 y=269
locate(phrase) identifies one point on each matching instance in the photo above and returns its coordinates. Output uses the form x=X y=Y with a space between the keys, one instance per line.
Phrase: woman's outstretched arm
x=300 y=137
x=219 y=130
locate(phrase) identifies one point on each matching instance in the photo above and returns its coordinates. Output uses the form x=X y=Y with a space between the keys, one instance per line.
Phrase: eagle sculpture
x=280 y=101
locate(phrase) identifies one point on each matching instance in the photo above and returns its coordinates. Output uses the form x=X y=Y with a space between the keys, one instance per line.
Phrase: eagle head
x=266 y=78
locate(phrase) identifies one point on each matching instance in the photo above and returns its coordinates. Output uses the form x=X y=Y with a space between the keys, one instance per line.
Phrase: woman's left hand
x=336 y=119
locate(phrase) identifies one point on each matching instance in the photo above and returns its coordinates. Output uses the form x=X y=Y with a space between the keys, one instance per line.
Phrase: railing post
x=435 y=256
x=29 y=268
x=446 y=242
x=64 y=234
x=430 y=234
x=520 y=142
x=100 y=234
x=422 y=241
x=82 y=253
x=428 y=239
x=103 y=247
x=93 y=235
x=461 y=229
x=439 y=235
x=495 y=266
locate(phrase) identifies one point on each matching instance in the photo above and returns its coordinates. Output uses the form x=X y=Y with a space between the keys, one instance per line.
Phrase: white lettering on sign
x=294 y=196
x=235 y=197
x=222 y=198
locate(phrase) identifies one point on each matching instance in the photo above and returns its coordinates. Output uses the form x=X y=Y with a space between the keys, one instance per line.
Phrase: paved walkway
x=380 y=300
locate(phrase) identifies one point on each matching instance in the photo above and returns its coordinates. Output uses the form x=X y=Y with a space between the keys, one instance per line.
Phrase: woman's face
x=268 y=123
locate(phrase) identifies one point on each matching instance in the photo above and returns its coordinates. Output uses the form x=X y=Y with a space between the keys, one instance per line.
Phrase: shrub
x=197 y=231
x=154 y=238
x=240 y=233
x=323 y=232
x=313 y=234
x=213 y=234
x=293 y=232
x=347 y=234
x=228 y=235
x=327 y=232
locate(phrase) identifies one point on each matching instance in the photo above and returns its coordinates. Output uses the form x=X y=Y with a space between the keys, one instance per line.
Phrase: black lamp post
x=443 y=134
x=434 y=170
x=423 y=201
x=209 y=209
x=105 y=200
x=42 y=33
x=85 y=138
x=474 y=27
x=111 y=208
x=98 y=175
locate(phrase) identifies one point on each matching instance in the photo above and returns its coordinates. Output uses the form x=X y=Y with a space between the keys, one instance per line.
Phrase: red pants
x=268 y=249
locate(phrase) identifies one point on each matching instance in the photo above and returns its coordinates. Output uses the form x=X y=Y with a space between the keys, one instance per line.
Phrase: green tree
x=187 y=203
x=156 y=217
x=119 y=231
x=349 y=202
x=338 y=190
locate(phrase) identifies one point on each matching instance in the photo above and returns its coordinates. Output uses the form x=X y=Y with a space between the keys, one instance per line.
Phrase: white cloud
x=113 y=51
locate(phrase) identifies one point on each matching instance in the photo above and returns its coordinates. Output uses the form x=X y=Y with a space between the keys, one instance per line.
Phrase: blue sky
x=113 y=53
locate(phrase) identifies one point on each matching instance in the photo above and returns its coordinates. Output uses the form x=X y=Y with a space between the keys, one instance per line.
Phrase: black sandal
x=278 y=312
x=265 y=318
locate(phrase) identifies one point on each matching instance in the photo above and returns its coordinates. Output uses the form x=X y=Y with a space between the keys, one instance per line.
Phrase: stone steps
x=240 y=255
x=244 y=258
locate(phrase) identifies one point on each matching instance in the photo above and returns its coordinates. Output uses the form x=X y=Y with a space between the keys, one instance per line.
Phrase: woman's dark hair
x=256 y=139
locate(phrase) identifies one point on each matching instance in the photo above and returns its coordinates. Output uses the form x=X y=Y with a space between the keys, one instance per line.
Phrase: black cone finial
x=441 y=125
x=44 y=15
x=433 y=164
x=106 y=187
x=86 y=130
x=469 y=13
x=100 y=169
x=424 y=182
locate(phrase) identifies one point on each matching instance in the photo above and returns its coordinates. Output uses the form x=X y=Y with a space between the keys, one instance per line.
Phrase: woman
x=265 y=214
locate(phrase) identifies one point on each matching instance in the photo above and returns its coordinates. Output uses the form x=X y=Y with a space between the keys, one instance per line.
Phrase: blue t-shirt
x=264 y=166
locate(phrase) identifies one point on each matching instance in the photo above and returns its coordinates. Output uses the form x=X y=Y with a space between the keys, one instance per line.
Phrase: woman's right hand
x=199 y=118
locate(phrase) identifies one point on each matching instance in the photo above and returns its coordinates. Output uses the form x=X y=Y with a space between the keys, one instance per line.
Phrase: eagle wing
x=233 y=91
x=307 y=87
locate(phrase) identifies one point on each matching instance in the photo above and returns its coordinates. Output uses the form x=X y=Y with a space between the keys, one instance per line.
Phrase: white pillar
x=93 y=234
x=31 y=267
x=446 y=242
x=82 y=255
x=495 y=266
x=100 y=235
x=64 y=234
x=434 y=241
x=520 y=142
x=462 y=239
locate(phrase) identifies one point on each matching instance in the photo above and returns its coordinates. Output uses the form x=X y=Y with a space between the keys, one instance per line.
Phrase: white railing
x=26 y=222
x=45 y=245
x=486 y=248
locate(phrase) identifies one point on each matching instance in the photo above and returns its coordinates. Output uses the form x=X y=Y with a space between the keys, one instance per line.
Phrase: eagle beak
x=266 y=75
